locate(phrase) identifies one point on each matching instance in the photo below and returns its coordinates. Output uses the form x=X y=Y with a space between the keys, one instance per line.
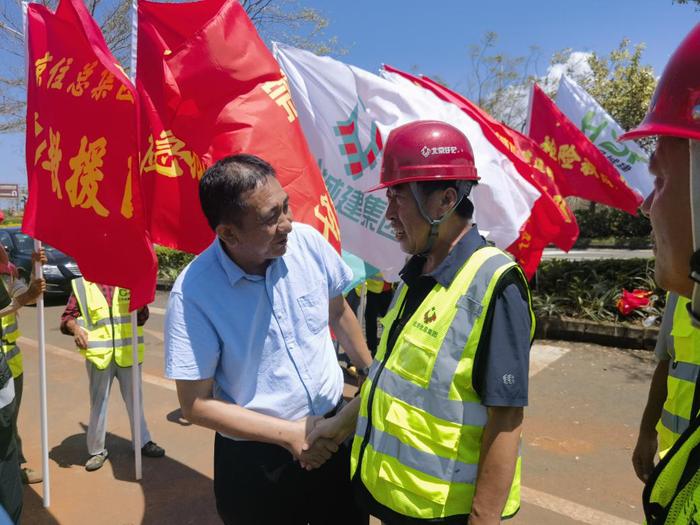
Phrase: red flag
x=551 y=220
x=588 y=173
x=634 y=300
x=210 y=88
x=82 y=152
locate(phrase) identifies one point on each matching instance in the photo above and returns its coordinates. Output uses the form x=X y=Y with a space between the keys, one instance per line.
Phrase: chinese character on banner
x=233 y=102
x=586 y=172
x=80 y=170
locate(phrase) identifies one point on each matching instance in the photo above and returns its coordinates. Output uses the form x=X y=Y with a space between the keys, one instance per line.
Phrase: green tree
x=620 y=82
x=284 y=20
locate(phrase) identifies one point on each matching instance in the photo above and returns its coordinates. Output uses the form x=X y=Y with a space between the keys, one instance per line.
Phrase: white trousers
x=100 y=386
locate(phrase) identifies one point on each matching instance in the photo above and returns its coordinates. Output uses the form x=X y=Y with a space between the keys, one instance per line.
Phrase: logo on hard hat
x=439 y=150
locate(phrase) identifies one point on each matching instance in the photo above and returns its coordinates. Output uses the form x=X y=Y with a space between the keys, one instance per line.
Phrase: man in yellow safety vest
x=97 y=316
x=670 y=405
x=440 y=414
x=672 y=493
x=20 y=295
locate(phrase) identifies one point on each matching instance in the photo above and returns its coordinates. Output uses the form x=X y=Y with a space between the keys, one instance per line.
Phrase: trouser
x=19 y=387
x=376 y=306
x=100 y=386
x=11 y=488
x=260 y=484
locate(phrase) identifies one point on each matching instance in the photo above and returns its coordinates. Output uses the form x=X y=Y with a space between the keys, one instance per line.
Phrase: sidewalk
x=580 y=427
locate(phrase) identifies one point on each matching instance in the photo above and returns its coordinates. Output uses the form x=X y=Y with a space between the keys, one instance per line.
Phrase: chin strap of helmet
x=694 y=306
x=464 y=188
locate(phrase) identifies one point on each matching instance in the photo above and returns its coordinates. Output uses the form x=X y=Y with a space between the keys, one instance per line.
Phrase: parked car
x=59 y=271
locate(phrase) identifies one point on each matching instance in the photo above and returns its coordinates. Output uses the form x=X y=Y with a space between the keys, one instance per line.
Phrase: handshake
x=315 y=438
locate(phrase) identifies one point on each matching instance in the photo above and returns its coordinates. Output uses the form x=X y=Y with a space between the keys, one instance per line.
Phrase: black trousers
x=260 y=484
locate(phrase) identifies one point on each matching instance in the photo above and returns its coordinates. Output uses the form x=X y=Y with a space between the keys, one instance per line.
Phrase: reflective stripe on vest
x=9 y=332
x=683 y=372
x=420 y=454
x=436 y=466
x=108 y=326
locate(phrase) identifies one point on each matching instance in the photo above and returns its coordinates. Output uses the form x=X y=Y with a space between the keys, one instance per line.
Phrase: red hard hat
x=426 y=150
x=675 y=106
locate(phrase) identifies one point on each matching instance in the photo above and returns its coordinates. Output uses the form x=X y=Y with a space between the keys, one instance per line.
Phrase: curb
x=607 y=334
x=575 y=330
x=164 y=286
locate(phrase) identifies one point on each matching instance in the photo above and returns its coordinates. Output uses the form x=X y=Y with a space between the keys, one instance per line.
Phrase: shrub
x=590 y=289
x=603 y=222
x=171 y=262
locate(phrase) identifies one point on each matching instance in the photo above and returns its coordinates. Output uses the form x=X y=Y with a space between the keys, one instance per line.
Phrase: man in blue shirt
x=248 y=343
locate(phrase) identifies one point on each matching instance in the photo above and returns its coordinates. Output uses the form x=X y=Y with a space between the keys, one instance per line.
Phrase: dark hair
x=465 y=208
x=224 y=185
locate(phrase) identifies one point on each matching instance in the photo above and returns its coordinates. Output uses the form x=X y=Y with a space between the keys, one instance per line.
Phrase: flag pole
x=41 y=331
x=136 y=393
x=135 y=375
x=38 y=273
x=526 y=130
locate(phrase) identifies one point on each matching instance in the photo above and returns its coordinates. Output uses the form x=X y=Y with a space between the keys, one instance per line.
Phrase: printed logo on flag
x=359 y=158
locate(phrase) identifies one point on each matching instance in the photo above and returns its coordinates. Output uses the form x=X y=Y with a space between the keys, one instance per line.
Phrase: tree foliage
x=284 y=20
x=619 y=82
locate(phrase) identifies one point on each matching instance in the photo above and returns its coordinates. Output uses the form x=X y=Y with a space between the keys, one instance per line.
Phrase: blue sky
x=435 y=37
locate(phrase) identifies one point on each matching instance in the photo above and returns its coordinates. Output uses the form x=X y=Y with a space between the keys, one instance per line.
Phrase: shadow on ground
x=173 y=492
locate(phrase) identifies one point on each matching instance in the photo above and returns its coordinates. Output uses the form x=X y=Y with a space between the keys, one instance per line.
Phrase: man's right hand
x=316 y=455
x=643 y=455
x=80 y=336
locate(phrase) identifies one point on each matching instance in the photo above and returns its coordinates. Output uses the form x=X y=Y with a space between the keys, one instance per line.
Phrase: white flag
x=347 y=113
x=630 y=160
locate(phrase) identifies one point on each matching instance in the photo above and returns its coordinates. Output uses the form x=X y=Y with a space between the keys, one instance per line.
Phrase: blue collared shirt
x=264 y=339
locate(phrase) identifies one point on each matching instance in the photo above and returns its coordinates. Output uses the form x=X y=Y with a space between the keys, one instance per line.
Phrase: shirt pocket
x=314 y=311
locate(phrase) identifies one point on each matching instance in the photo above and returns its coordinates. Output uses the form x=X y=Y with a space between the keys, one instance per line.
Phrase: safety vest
x=375 y=284
x=672 y=494
x=682 y=377
x=9 y=334
x=419 y=431
x=108 y=326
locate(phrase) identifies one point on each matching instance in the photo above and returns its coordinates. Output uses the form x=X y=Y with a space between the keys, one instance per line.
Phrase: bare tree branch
x=284 y=20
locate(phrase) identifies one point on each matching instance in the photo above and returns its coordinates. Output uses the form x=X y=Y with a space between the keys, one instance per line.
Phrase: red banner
x=587 y=172
x=551 y=220
x=82 y=152
x=210 y=88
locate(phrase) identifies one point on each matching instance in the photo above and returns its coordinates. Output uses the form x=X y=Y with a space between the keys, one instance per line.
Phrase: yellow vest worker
x=98 y=318
x=20 y=295
x=672 y=494
x=452 y=364
x=682 y=375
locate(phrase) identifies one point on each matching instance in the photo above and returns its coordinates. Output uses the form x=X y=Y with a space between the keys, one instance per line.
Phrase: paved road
x=585 y=402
